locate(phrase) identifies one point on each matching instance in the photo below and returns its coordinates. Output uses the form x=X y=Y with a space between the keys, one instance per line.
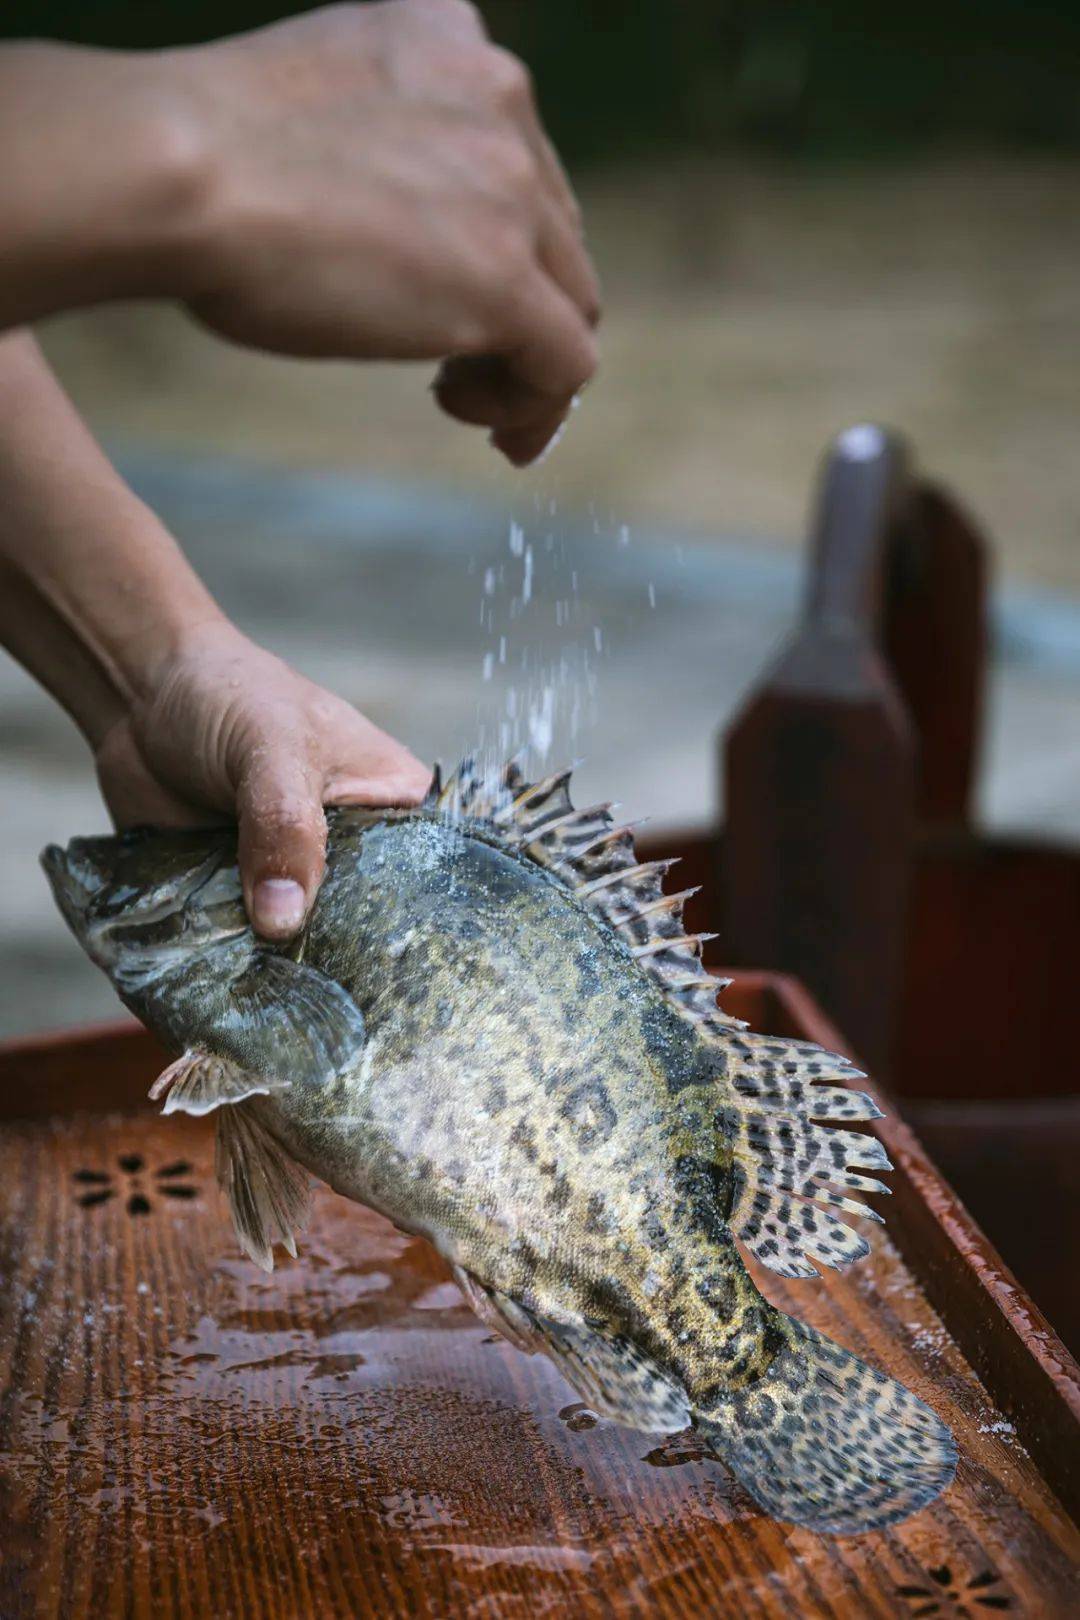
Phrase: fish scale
x=496 y=1031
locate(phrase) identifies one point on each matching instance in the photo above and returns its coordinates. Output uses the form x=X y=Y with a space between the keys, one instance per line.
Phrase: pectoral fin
x=287 y=1021
x=272 y=1024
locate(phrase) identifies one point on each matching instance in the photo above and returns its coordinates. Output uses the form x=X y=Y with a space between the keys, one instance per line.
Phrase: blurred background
x=804 y=216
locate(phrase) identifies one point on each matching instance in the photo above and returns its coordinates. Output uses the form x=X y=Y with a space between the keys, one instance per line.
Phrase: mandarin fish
x=494 y=1030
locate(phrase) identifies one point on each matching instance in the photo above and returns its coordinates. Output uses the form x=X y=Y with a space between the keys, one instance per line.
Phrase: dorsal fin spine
x=653 y=946
x=613 y=835
x=626 y=874
x=666 y=902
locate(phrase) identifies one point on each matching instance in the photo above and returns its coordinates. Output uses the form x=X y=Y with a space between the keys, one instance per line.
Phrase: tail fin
x=826 y=1442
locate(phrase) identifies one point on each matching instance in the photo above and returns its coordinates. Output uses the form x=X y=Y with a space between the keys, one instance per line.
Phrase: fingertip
x=278 y=907
x=526 y=447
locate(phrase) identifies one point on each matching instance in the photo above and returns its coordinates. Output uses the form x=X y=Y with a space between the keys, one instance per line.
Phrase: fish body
x=494 y=1031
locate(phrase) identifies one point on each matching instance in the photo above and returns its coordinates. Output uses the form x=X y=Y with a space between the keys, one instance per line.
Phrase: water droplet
x=578 y=1417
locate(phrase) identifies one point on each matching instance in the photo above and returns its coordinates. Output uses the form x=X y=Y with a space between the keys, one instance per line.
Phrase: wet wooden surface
x=183 y=1436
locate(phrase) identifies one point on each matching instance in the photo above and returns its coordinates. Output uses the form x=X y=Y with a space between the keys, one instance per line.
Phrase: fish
x=494 y=1030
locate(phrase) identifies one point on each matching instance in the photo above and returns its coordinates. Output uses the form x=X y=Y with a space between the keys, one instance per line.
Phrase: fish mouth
x=95 y=901
x=74 y=881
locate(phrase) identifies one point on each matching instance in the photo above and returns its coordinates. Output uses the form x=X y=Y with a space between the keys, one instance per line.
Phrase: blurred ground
x=750 y=315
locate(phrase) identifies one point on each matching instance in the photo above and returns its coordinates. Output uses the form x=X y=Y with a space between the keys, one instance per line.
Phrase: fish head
x=147 y=897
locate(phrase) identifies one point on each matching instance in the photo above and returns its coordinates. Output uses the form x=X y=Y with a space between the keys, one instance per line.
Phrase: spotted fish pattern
x=495 y=1030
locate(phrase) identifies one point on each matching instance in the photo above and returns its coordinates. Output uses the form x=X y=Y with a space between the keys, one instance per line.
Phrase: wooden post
x=934 y=637
x=820 y=770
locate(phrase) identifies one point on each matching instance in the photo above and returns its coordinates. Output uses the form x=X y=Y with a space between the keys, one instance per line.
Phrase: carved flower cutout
x=136 y=1183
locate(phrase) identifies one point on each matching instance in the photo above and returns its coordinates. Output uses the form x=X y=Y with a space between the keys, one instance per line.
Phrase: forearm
x=95 y=595
x=100 y=178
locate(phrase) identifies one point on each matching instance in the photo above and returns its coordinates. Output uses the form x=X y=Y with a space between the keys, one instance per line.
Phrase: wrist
x=201 y=637
x=101 y=202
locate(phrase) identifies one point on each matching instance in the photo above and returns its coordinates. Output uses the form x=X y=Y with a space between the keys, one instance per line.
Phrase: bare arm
x=187 y=719
x=361 y=182
x=365 y=181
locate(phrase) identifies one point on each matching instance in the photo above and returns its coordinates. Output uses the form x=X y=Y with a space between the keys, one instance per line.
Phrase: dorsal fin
x=595 y=859
x=790 y=1157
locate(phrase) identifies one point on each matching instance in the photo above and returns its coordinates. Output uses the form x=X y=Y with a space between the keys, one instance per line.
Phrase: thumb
x=282 y=842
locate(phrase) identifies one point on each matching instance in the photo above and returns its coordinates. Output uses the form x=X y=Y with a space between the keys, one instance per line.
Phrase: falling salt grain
x=526 y=584
x=517 y=540
x=624 y=535
x=652 y=594
x=598 y=637
x=489 y=582
x=489 y=665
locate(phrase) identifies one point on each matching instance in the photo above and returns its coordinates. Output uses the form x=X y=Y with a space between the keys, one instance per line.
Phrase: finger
x=521 y=446
x=528 y=387
x=282 y=847
x=483 y=391
x=399 y=786
x=548 y=161
x=562 y=253
x=549 y=345
x=368 y=766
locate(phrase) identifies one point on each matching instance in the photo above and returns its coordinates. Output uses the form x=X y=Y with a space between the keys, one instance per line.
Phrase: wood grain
x=182 y=1436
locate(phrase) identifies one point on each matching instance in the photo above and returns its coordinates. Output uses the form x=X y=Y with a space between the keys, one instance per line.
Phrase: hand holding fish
x=189 y=722
x=228 y=730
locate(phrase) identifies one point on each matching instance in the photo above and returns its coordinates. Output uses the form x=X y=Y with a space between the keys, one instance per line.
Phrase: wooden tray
x=183 y=1436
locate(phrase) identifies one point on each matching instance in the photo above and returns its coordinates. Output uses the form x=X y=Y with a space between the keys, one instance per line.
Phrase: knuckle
x=470 y=334
x=508 y=80
x=463 y=11
x=505 y=259
x=285 y=814
x=520 y=168
x=507 y=162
